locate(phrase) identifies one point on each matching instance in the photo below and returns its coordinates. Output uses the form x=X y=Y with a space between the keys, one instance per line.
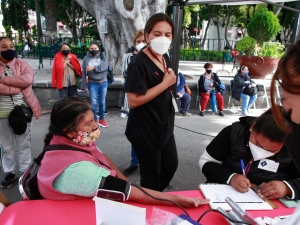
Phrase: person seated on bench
x=259 y=142
x=209 y=88
x=70 y=174
x=185 y=98
x=244 y=87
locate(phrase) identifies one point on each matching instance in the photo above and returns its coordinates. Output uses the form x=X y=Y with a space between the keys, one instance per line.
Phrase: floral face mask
x=86 y=138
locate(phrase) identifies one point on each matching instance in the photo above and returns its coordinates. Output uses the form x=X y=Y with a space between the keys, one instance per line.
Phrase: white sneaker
x=249 y=111
x=123 y=115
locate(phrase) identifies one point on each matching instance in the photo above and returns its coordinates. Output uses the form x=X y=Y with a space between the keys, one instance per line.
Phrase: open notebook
x=218 y=192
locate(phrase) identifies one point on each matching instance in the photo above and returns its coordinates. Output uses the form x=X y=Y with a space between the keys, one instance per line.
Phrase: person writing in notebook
x=259 y=142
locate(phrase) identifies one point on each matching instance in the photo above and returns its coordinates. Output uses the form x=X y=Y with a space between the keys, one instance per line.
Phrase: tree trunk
x=205 y=34
x=124 y=18
x=38 y=19
x=74 y=32
x=51 y=21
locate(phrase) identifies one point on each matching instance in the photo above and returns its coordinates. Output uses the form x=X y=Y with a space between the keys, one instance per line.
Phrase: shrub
x=246 y=45
x=263 y=26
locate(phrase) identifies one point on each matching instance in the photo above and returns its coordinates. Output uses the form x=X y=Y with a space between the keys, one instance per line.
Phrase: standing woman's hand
x=169 y=77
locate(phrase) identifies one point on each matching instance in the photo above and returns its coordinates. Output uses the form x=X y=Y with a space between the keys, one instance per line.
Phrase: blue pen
x=243 y=167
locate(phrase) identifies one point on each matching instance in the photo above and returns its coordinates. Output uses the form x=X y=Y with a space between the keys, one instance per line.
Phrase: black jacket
x=201 y=81
x=231 y=145
x=239 y=82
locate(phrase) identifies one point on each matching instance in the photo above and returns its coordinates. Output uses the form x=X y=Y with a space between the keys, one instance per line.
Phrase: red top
x=58 y=69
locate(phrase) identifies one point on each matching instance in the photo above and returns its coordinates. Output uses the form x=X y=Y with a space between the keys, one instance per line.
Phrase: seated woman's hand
x=253 y=85
x=240 y=183
x=274 y=189
x=191 y=202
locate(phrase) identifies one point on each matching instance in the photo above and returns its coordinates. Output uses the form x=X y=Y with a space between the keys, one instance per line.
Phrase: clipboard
x=218 y=192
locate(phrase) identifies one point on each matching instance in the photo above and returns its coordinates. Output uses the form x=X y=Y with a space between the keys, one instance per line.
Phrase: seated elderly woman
x=260 y=144
x=78 y=169
x=209 y=88
x=185 y=98
x=244 y=87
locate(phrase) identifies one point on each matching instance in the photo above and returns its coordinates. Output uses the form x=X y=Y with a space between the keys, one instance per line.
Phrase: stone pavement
x=192 y=135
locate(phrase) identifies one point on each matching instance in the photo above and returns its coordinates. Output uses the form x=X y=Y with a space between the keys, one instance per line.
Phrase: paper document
x=111 y=213
x=218 y=192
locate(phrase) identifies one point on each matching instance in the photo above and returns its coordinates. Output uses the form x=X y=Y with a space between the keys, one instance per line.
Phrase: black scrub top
x=152 y=124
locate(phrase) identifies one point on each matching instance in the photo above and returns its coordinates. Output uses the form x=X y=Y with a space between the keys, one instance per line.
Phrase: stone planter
x=259 y=67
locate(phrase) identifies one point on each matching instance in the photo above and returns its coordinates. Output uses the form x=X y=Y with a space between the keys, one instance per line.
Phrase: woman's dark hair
x=64 y=43
x=207 y=65
x=159 y=17
x=267 y=126
x=241 y=68
x=287 y=76
x=66 y=115
x=96 y=43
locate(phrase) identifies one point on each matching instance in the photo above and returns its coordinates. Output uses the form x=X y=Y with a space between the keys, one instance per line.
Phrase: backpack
x=110 y=76
x=126 y=62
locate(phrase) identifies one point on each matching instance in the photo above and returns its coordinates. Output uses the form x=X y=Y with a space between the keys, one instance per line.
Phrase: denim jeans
x=98 y=95
x=185 y=103
x=134 y=159
x=247 y=101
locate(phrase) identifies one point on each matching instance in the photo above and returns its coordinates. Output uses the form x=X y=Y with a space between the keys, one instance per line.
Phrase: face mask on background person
x=65 y=52
x=208 y=71
x=94 y=52
x=86 y=138
x=9 y=54
x=160 y=45
x=246 y=72
x=259 y=153
x=140 y=46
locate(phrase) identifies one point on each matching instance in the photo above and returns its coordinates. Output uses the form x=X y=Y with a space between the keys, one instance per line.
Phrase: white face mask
x=160 y=45
x=140 y=46
x=259 y=153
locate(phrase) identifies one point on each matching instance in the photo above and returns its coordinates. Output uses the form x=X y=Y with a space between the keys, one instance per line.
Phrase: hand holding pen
x=240 y=182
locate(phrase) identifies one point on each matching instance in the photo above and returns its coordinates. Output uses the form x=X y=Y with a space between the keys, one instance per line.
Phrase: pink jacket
x=55 y=162
x=20 y=82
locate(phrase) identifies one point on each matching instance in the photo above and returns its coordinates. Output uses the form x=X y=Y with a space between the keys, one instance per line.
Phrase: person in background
x=185 y=98
x=80 y=174
x=139 y=42
x=64 y=70
x=16 y=79
x=94 y=71
x=244 y=87
x=132 y=51
x=287 y=76
x=27 y=48
x=150 y=125
x=259 y=142
x=234 y=53
x=208 y=88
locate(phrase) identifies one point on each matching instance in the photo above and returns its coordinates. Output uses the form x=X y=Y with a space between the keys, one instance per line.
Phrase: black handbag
x=19 y=117
x=250 y=91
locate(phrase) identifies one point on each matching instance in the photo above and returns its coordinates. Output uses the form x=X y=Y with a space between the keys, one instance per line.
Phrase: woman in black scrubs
x=150 y=123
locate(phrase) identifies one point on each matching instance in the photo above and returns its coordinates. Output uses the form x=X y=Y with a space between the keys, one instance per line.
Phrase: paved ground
x=192 y=136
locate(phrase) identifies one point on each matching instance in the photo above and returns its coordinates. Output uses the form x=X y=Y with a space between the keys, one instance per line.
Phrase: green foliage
x=8 y=31
x=263 y=26
x=246 y=45
x=202 y=55
x=15 y=14
x=271 y=49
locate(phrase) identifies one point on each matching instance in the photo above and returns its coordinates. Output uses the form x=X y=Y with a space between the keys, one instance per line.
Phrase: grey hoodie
x=99 y=74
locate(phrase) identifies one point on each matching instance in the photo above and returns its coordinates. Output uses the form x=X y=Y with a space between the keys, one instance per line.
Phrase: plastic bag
x=162 y=217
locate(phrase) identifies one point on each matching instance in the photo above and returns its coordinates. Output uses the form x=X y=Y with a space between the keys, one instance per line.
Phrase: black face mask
x=94 y=52
x=208 y=71
x=8 y=54
x=65 y=52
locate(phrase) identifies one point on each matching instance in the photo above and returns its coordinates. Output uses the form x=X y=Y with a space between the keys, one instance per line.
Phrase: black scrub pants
x=157 y=168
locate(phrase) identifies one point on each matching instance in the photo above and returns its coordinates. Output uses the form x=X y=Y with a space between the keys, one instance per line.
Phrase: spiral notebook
x=218 y=192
